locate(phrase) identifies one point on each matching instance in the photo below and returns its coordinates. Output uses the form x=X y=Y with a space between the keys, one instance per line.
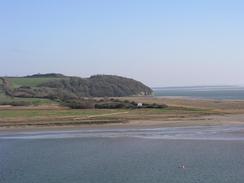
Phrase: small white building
x=139 y=105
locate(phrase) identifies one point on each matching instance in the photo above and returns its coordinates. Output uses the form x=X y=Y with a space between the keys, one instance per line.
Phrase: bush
x=16 y=103
x=155 y=106
x=126 y=101
x=107 y=104
x=76 y=104
x=133 y=103
x=114 y=105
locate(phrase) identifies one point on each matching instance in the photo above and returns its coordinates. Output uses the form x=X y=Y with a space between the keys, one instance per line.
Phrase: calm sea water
x=124 y=155
x=204 y=92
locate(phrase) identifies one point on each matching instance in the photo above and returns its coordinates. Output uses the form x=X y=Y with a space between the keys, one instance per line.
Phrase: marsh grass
x=32 y=113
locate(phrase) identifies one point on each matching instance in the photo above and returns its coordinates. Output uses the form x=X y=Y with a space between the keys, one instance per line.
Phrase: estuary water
x=202 y=92
x=209 y=154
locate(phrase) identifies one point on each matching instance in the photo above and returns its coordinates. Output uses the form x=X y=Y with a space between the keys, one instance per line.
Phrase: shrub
x=113 y=105
x=155 y=106
x=16 y=103
x=79 y=104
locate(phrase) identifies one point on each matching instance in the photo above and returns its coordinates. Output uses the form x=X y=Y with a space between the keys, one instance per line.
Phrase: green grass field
x=32 y=82
x=4 y=99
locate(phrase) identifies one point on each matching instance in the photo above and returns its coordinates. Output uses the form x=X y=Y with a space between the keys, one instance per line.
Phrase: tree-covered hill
x=58 y=86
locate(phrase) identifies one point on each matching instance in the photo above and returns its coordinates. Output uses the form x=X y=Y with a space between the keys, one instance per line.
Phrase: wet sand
x=206 y=121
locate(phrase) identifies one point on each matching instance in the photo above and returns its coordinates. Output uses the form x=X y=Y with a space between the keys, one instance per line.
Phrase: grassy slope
x=21 y=81
x=33 y=101
x=32 y=82
x=17 y=82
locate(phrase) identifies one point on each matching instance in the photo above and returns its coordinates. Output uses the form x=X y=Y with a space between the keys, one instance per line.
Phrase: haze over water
x=202 y=92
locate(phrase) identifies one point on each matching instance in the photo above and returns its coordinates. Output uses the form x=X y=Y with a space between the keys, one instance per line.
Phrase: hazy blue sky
x=162 y=43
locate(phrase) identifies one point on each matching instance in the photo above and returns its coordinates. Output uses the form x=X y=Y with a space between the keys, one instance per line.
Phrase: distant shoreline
x=202 y=92
x=196 y=98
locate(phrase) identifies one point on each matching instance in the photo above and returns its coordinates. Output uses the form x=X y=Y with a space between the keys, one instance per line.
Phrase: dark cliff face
x=95 y=86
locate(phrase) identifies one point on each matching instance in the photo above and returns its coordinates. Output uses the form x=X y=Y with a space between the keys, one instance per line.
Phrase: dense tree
x=76 y=88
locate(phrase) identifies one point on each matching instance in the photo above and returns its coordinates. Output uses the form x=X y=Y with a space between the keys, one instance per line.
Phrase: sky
x=159 y=42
